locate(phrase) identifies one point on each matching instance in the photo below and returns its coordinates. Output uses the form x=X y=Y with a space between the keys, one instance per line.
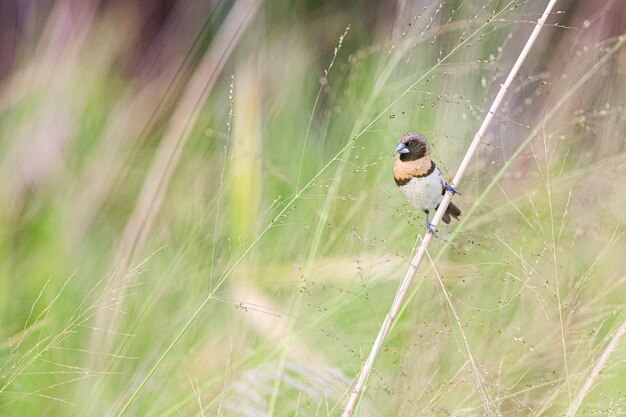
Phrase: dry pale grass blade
x=176 y=135
x=130 y=118
x=595 y=371
x=136 y=113
x=359 y=388
x=180 y=126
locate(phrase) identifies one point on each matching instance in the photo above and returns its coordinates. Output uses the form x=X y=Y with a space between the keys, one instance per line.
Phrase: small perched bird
x=420 y=180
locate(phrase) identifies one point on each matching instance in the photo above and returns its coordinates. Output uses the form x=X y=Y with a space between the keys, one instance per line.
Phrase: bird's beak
x=401 y=148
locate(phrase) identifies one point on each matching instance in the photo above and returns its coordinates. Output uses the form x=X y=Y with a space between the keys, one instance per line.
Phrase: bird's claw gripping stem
x=430 y=227
x=451 y=189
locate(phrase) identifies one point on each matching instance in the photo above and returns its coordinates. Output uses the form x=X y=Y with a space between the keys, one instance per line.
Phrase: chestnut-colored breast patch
x=403 y=171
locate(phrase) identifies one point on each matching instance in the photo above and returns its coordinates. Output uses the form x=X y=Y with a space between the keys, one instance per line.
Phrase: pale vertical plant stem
x=402 y=292
x=595 y=372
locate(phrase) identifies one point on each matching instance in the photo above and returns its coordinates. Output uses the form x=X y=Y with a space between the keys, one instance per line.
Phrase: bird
x=420 y=180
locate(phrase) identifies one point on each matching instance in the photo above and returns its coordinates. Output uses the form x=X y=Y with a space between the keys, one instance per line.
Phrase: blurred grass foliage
x=239 y=261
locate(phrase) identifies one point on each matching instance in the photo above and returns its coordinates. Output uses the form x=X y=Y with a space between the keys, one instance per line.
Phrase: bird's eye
x=411 y=143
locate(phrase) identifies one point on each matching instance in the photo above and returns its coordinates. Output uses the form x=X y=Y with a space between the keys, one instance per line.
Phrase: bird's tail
x=451 y=211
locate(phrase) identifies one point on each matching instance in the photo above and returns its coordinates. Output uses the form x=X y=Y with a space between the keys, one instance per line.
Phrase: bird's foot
x=451 y=189
x=432 y=230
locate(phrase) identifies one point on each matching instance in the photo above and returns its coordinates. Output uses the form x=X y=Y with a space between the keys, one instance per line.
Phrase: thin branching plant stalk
x=366 y=369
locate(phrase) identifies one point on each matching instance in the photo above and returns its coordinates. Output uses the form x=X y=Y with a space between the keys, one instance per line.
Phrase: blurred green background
x=198 y=216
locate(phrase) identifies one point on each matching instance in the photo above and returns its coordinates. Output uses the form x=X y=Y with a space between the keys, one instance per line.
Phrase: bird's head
x=413 y=146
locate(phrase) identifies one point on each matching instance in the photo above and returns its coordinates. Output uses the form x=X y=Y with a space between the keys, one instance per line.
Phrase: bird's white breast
x=424 y=193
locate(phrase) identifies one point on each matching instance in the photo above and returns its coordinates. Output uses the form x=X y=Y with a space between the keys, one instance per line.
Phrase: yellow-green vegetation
x=198 y=216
